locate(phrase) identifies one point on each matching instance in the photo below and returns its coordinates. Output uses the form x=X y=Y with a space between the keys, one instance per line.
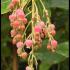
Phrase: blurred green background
x=59 y=13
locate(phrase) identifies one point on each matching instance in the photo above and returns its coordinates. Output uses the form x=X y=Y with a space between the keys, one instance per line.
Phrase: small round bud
x=28 y=68
x=12 y=17
x=42 y=24
x=13 y=33
x=14 y=41
x=15 y=1
x=21 y=27
x=54 y=43
x=48 y=46
x=51 y=26
x=53 y=32
x=28 y=43
x=19 y=44
x=24 y=20
x=24 y=55
x=19 y=51
x=15 y=24
x=18 y=37
x=20 y=13
x=11 y=6
x=37 y=29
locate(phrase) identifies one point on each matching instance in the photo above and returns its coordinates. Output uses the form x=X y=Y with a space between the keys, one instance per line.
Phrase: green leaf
x=49 y=58
x=4 y=6
x=44 y=66
x=5 y=3
x=63 y=49
x=59 y=3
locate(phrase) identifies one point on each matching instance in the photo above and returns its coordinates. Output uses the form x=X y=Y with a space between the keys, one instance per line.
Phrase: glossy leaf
x=50 y=58
x=4 y=6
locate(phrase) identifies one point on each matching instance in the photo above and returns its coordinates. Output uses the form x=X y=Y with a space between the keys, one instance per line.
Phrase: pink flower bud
x=53 y=32
x=37 y=29
x=16 y=24
x=24 y=20
x=37 y=36
x=24 y=55
x=11 y=6
x=19 y=44
x=51 y=26
x=14 y=41
x=19 y=51
x=48 y=46
x=42 y=35
x=22 y=27
x=13 y=33
x=42 y=24
x=15 y=1
x=28 y=68
x=18 y=37
x=12 y=17
x=28 y=43
x=20 y=13
x=54 y=43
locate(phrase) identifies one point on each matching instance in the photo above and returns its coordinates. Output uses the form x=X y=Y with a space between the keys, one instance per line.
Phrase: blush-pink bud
x=22 y=27
x=19 y=44
x=42 y=24
x=53 y=32
x=19 y=51
x=15 y=24
x=28 y=68
x=37 y=28
x=14 y=41
x=42 y=35
x=11 y=6
x=54 y=43
x=20 y=13
x=51 y=26
x=48 y=46
x=13 y=33
x=15 y=1
x=28 y=43
x=12 y=17
x=24 y=20
x=18 y=37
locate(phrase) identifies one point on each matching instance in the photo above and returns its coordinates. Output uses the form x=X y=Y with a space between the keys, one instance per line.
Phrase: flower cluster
x=40 y=30
x=18 y=22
